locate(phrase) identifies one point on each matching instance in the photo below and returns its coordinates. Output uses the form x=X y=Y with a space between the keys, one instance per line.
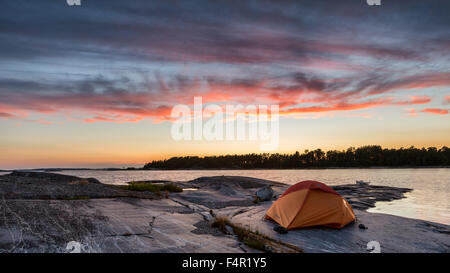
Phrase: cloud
x=335 y=107
x=116 y=119
x=412 y=113
x=345 y=106
x=415 y=100
x=6 y=115
x=198 y=32
x=152 y=56
x=447 y=100
x=121 y=100
x=418 y=81
x=435 y=111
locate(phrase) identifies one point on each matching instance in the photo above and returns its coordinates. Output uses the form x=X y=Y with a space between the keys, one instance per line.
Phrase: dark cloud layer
x=279 y=50
x=224 y=31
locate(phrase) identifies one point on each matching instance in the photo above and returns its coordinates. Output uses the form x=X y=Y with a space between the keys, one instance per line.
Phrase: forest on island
x=365 y=156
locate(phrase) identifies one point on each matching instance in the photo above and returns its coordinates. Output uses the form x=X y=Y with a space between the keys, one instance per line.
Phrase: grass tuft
x=221 y=224
x=254 y=239
x=152 y=187
x=80 y=182
x=255 y=244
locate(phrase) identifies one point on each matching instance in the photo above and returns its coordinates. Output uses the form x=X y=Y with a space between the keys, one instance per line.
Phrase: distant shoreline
x=318 y=168
x=222 y=169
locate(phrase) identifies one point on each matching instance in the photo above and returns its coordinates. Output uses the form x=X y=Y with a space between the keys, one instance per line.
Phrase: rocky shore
x=46 y=212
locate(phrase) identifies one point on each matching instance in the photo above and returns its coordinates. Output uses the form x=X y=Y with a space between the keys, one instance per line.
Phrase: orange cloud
x=344 y=106
x=435 y=111
x=116 y=119
x=447 y=100
x=295 y=93
x=416 y=100
x=336 y=107
x=412 y=113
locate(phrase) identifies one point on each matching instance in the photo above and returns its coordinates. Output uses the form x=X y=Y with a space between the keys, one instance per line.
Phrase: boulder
x=93 y=180
x=280 y=229
x=362 y=226
x=264 y=194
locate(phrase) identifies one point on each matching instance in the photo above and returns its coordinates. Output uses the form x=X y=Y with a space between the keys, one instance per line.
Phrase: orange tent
x=311 y=203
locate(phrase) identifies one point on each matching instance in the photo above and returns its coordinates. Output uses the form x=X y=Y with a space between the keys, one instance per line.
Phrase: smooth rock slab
x=394 y=233
x=155 y=226
x=120 y=225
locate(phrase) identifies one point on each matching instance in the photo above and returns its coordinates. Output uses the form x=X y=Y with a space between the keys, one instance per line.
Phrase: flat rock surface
x=393 y=233
x=365 y=196
x=224 y=191
x=157 y=226
x=41 y=185
x=109 y=225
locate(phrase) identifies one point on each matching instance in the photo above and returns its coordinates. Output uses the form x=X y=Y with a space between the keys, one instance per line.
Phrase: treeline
x=366 y=156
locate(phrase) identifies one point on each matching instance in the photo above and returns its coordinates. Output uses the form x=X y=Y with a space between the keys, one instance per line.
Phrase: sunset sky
x=94 y=85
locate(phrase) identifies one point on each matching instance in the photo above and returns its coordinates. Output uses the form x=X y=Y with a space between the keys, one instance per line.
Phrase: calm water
x=428 y=201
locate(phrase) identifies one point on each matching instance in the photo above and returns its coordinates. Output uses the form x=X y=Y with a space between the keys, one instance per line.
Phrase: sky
x=94 y=85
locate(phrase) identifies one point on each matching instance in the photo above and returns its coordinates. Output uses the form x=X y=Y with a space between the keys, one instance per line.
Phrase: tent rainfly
x=310 y=203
